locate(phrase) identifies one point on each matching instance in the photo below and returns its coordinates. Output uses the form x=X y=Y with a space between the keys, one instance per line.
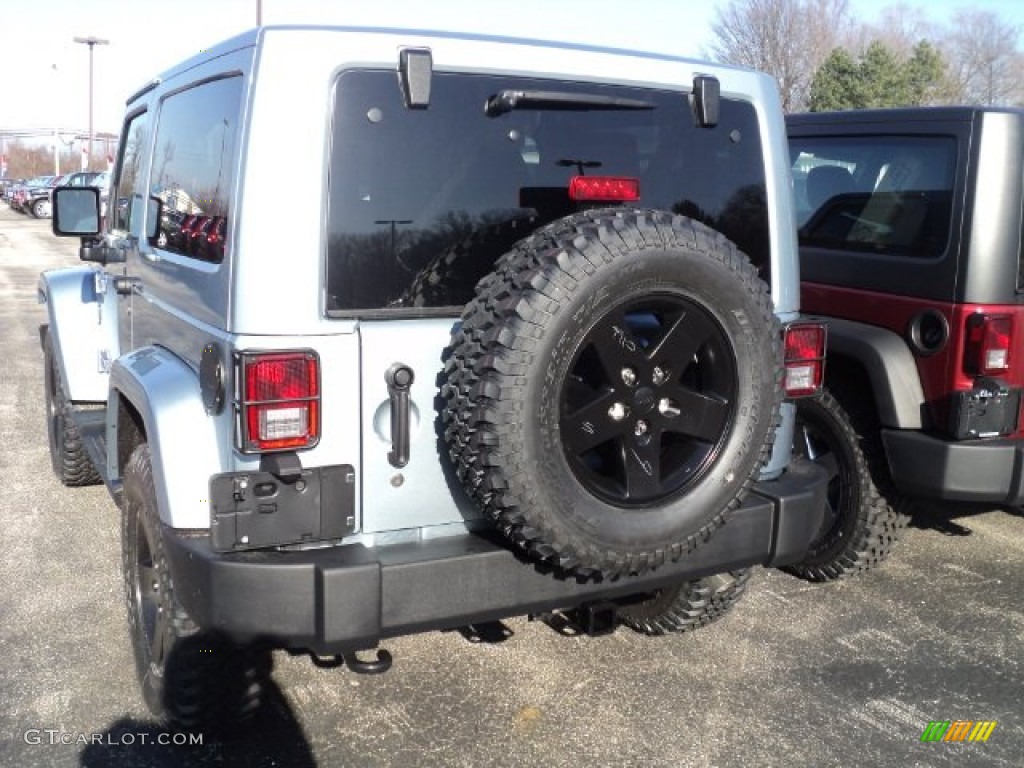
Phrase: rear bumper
x=965 y=470
x=350 y=597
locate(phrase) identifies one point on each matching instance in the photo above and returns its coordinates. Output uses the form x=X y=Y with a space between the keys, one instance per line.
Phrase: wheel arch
x=155 y=397
x=886 y=364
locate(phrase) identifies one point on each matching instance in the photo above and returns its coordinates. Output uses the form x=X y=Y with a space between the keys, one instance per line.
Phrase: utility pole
x=92 y=42
x=259 y=13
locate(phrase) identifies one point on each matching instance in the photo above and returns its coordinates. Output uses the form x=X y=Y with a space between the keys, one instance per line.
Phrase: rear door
x=423 y=202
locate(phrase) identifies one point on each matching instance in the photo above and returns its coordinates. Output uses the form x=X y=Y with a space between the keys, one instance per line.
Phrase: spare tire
x=613 y=389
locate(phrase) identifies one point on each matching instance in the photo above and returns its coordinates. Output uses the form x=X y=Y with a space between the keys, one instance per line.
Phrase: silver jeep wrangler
x=521 y=339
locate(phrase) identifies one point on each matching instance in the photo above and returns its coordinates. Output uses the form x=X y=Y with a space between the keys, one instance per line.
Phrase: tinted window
x=878 y=194
x=192 y=165
x=422 y=202
x=126 y=190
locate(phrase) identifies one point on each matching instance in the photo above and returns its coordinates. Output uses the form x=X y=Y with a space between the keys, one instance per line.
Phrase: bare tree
x=788 y=39
x=985 y=65
x=900 y=28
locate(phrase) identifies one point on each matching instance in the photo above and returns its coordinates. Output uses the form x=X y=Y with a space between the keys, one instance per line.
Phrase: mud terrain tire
x=864 y=517
x=687 y=606
x=191 y=679
x=68 y=456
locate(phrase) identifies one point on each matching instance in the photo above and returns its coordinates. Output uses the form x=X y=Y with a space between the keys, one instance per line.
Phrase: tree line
x=823 y=59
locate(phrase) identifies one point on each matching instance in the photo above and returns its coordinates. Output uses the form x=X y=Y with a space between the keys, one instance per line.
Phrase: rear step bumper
x=990 y=470
x=350 y=597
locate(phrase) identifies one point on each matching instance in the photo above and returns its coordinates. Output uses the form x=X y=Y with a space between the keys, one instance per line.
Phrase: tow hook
x=378 y=666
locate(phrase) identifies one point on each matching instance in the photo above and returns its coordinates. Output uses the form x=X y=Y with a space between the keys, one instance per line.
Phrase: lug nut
x=659 y=375
x=667 y=408
x=629 y=377
x=641 y=428
x=617 y=412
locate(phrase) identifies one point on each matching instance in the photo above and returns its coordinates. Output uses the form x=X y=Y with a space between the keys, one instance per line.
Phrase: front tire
x=861 y=525
x=190 y=678
x=68 y=456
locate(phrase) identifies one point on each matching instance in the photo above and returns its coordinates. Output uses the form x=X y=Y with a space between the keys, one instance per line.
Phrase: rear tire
x=687 y=606
x=191 y=679
x=861 y=524
x=68 y=456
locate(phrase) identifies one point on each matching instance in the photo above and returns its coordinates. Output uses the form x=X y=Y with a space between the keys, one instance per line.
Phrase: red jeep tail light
x=280 y=403
x=987 y=350
x=804 y=359
x=618 y=189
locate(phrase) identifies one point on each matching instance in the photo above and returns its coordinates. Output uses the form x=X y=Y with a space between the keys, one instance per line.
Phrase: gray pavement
x=845 y=674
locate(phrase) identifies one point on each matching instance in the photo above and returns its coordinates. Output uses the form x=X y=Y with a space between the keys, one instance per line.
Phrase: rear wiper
x=506 y=101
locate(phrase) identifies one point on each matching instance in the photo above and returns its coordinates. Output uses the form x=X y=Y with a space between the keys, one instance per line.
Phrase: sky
x=44 y=79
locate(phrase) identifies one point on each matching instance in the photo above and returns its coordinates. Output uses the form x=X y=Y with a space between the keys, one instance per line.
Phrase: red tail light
x=619 y=189
x=987 y=350
x=804 y=359
x=280 y=400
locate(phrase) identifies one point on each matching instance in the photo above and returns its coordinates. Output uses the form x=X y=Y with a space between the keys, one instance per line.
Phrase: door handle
x=399 y=378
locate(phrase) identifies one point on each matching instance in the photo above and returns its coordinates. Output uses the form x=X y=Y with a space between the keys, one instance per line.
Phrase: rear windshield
x=423 y=201
x=877 y=194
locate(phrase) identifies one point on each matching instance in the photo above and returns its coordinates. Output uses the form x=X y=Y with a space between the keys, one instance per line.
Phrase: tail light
x=804 y=359
x=279 y=404
x=987 y=350
x=619 y=189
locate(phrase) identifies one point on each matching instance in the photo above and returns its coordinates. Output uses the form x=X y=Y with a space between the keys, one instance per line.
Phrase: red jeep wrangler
x=910 y=229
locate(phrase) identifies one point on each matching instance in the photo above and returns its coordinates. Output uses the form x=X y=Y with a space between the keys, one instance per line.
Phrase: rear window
x=877 y=194
x=423 y=201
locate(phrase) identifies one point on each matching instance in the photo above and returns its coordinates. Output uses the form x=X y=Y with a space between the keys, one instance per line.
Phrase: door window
x=193 y=172
x=127 y=194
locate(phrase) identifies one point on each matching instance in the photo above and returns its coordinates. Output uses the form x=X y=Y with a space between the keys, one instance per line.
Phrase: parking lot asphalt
x=843 y=674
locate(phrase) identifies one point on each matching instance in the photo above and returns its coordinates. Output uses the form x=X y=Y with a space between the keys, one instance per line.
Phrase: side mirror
x=154 y=215
x=76 y=211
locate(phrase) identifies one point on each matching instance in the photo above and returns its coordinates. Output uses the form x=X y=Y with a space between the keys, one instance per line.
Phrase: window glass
x=126 y=190
x=423 y=201
x=877 y=194
x=193 y=169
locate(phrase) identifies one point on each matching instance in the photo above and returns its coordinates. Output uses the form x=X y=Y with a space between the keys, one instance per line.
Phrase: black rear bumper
x=990 y=470
x=350 y=597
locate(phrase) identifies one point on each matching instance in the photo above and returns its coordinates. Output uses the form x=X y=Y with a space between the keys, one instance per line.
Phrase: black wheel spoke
x=615 y=343
x=148 y=584
x=814 y=448
x=828 y=462
x=590 y=426
x=156 y=646
x=688 y=333
x=643 y=470
x=702 y=416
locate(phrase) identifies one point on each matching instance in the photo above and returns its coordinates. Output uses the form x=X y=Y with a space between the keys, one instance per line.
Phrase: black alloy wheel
x=649 y=400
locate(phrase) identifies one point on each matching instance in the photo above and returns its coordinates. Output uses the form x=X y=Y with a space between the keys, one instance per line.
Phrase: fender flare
x=183 y=439
x=82 y=329
x=890 y=367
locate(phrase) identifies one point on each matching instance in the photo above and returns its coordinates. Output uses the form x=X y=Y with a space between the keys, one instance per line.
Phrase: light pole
x=92 y=42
